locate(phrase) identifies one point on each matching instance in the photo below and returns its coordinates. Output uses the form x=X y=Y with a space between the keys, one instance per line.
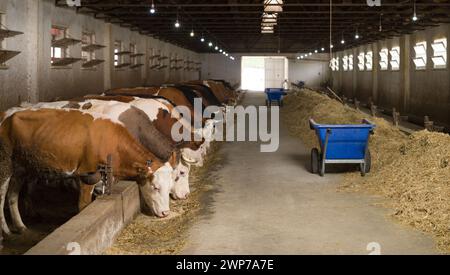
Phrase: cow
x=142 y=128
x=72 y=144
x=180 y=97
x=208 y=96
x=164 y=115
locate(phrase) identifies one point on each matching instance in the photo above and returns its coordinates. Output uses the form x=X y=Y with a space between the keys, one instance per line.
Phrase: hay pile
x=412 y=172
x=153 y=236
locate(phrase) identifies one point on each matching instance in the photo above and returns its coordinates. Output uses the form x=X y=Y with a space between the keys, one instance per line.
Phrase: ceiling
x=303 y=26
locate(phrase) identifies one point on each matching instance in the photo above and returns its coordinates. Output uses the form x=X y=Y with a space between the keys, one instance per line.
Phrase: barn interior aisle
x=271 y=204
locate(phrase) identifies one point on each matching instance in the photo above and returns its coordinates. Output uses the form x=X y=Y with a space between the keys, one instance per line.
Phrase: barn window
x=58 y=52
x=439 y=53
x=86 y=40
x=361 y=58
x=395 y=58
x=369 y=61
x=117 y=57
x=384 y=59
x=421 y=55
x=350 y=62
x=345 y=63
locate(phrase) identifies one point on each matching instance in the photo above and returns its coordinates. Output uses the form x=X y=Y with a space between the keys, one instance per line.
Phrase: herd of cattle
x=73 y=139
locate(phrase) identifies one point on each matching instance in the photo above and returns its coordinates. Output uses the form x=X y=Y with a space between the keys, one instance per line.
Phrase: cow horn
x=189 y=161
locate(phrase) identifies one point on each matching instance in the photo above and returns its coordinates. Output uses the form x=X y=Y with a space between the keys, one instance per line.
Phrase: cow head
x=180 y=189
x=155 y=184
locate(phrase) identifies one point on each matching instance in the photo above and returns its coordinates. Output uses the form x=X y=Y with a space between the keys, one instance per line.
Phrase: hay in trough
x=148 y=235
x=412 y=172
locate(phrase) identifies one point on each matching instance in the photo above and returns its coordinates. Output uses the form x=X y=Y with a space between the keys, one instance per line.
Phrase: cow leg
x=13 y=201
x=4 y=184
x=85 y=198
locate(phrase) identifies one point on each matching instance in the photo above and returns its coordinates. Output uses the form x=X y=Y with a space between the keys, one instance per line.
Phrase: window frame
x=91 y=40
x=421 y=55
x=361 y=61
x=117 y=59
x=64 y=51
x=345 y=63
x=350 y=63
x=443 y=54
x=395 y=58
x=384 y=59
x=369 y=60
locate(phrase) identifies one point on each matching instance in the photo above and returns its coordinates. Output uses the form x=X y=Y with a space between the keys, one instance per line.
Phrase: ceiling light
x=356 y=36
x=323 y=49
x=210 y=44
x=177 y=24
x=202 y=39
x=226 y=54
x=415 y=13
x=273 y=6
x=316 y=51
x=331 y=46
x=152 y=8
x=192 y=33
x=310 y=53
x=220 y=50
x=216 y=48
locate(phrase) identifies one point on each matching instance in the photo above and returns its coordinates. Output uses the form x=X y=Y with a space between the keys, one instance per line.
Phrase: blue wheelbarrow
x=274 y=94
x=342 y=144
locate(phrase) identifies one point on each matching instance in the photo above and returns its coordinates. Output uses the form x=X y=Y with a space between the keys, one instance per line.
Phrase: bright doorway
x=261 y=72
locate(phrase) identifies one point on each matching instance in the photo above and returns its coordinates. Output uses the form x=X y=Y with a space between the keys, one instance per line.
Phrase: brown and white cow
x=69 y=143
x=164 y=115
x=142 y=128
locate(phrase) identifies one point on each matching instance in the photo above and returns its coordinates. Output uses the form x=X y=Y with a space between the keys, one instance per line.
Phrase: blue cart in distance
x=275 y=94
x=342 y=144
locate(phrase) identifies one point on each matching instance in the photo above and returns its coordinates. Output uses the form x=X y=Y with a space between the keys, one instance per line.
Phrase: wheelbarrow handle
x=366 y=121
x=312 y=124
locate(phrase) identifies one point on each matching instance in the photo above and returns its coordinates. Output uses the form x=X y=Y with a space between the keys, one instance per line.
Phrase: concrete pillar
x=32 y=49
x=405 y=68
x=109 y=56
x=375 y=69
x=355 y=72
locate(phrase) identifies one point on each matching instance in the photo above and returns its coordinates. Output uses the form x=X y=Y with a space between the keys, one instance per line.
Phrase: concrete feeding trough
x=96 y=228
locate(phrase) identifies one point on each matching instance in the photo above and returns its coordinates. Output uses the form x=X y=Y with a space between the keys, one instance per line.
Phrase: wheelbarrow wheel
x=315 y=161
x=365 y=168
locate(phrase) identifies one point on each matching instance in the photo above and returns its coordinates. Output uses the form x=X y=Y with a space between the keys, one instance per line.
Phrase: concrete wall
x=30 y=76
x=313 y=70
x=414 y=92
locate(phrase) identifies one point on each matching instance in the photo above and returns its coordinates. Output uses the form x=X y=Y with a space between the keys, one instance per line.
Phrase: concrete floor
x=271 y=204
